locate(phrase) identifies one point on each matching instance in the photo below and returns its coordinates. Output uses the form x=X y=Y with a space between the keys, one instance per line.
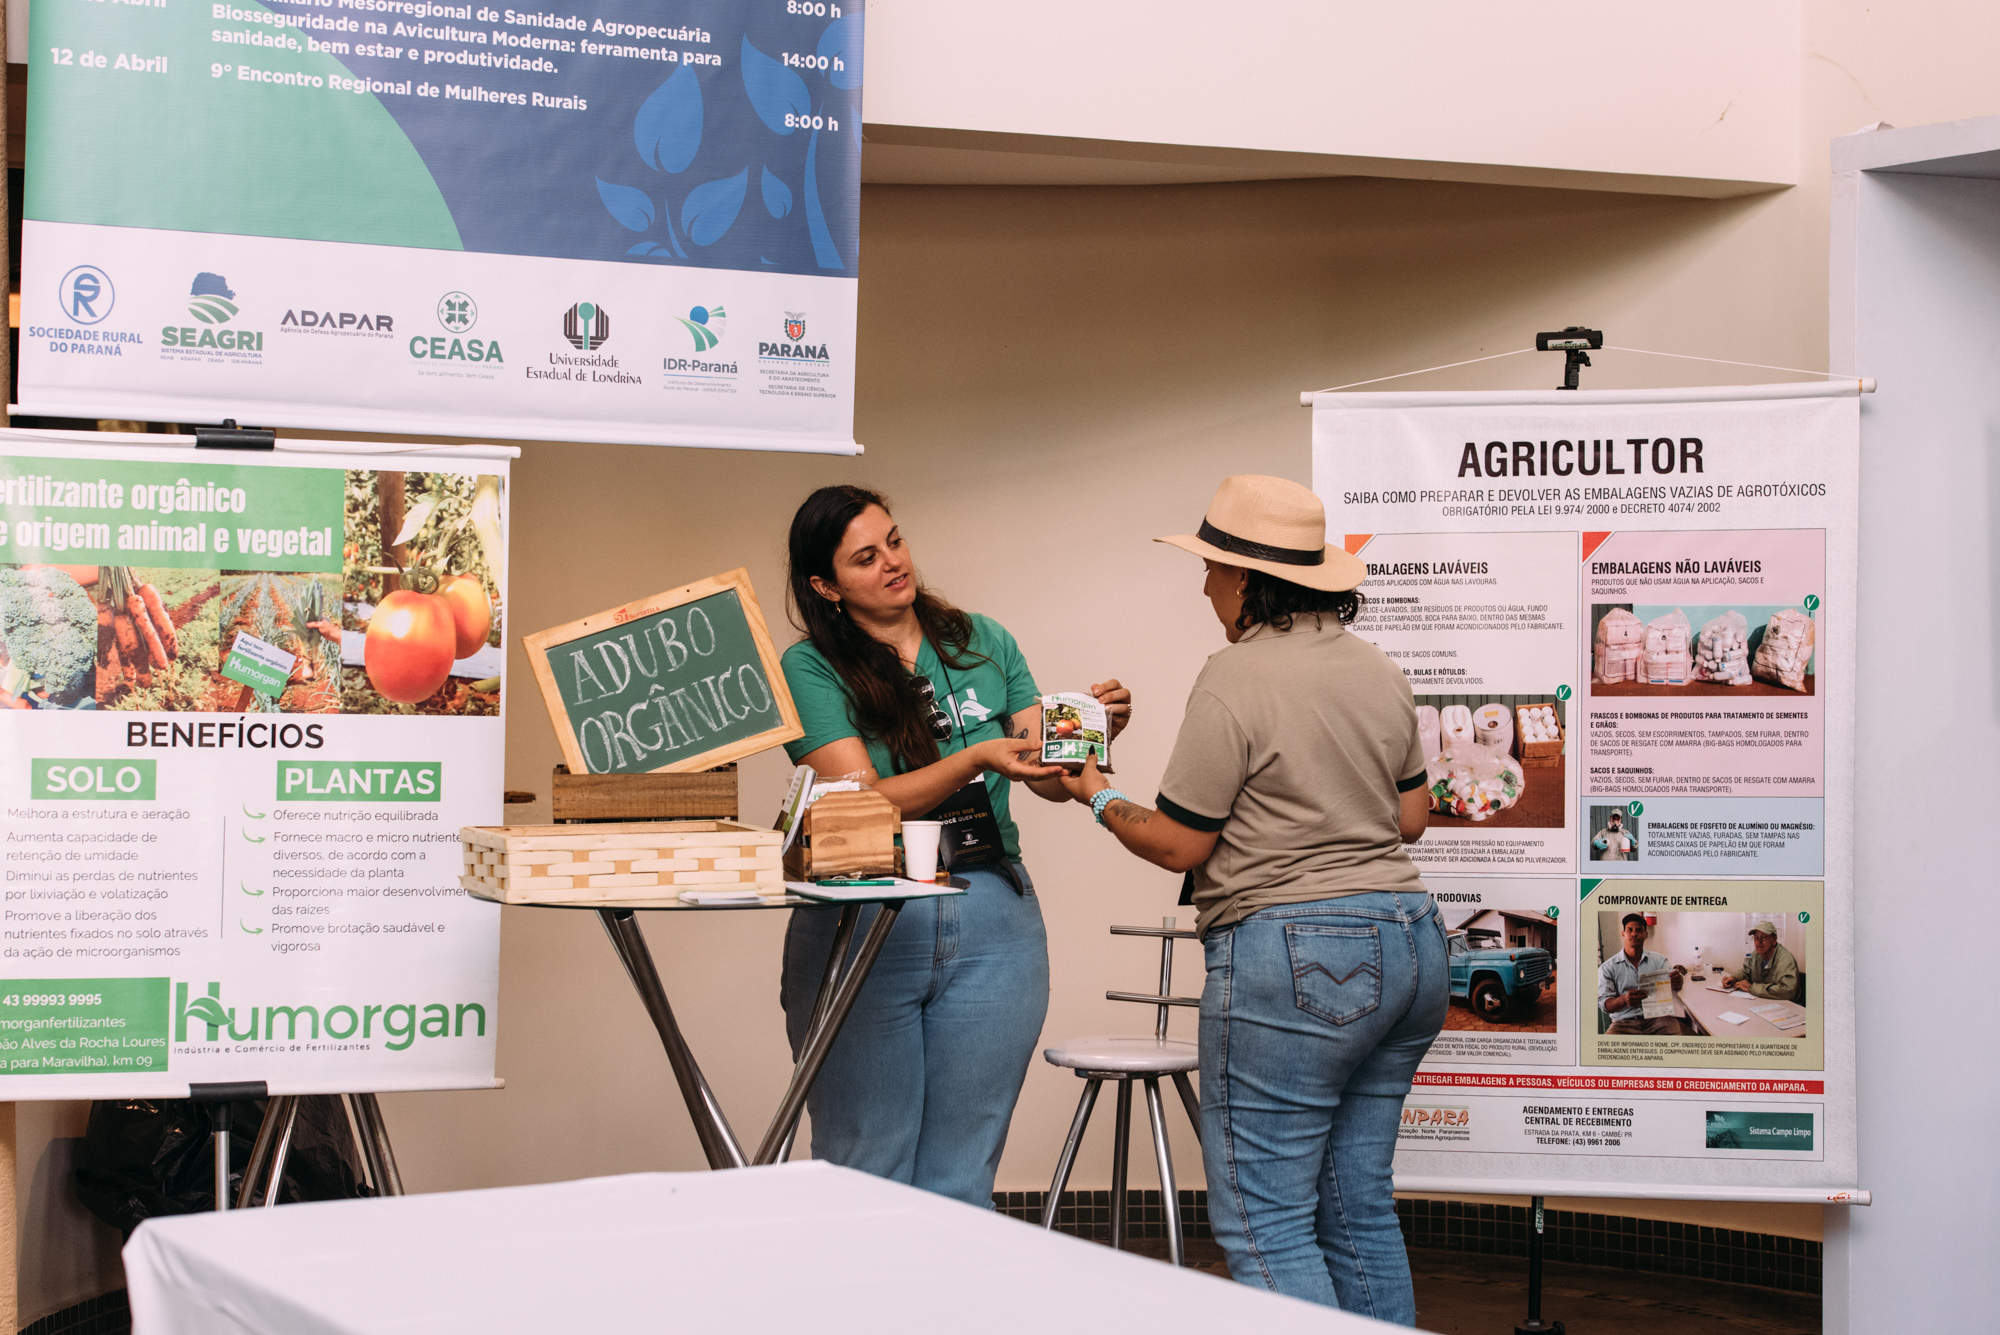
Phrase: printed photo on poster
x=1614 y=833
x=1504 y=940
x=420 y=630
x=1494 y=761
x=1650 y=649
x=1704 y=973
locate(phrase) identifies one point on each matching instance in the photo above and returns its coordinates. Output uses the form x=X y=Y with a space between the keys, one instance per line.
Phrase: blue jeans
x=1313 y=1020
x=921 y=1084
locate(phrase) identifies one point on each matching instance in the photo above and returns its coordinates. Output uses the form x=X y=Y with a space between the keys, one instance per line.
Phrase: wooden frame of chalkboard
x=632 y=691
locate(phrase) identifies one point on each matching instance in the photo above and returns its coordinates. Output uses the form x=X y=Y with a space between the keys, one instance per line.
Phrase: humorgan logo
x=395 y=1025
x=704 y=324
x=210 y=300
x=86 y=295
x=587 y=326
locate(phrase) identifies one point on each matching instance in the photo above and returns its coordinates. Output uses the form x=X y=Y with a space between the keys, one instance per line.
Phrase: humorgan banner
x=246 y=702
x=628 y=221
x=1629 y=622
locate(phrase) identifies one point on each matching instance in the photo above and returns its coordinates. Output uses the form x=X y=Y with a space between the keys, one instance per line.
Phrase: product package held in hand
x=1075 y=728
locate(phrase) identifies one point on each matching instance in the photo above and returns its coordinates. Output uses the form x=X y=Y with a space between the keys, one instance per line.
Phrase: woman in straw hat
x=1295 y=781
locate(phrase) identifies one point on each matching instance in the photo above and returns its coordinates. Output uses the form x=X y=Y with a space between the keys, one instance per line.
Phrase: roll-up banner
x=624 y=220
x=246 y=702
x=1628 y=618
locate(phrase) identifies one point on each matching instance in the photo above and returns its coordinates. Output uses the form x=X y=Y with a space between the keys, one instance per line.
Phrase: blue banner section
x=1704 y=836
x=696 y=132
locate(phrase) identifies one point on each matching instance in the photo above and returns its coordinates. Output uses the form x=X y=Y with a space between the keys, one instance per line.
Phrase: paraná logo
x=704 y=324
x=587 y=326
x=210 y=300
x=795 y=325
x=86 y=295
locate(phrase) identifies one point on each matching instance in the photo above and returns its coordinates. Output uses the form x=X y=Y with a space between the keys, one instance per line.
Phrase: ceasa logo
x=212 y=303
x=457 y=313
x=793 y=347
x=395 y=1025
x=587 y=326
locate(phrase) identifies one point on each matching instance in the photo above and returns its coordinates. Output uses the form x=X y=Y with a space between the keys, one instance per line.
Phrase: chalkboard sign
x=683 y=680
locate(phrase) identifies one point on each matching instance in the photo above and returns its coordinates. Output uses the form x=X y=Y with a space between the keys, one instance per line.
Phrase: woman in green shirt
x=926 y=703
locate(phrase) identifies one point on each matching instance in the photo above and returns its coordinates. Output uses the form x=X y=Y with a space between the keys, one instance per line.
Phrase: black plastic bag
x=144 y=1158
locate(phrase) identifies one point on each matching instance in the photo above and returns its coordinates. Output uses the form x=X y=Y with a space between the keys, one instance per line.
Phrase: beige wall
x=1049 y=378
x=1133 y=345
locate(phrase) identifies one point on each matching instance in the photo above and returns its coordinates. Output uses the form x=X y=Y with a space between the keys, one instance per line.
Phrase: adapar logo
x=704 y=324
x=587 y=326
x=86 y=294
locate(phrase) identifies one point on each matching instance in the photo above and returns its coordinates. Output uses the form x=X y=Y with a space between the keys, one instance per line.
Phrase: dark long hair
x=881 y=700
x=1274 y=602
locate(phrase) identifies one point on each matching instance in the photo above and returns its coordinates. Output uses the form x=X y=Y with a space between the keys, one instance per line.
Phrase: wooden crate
x=703 y=795
x=1538 y=755
x=846 y=834
x=614 y=862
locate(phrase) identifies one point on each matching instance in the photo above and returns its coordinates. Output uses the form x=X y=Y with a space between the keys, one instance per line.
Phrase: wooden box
x=1538 y=755
x=703 y=795
x=617 y=861
x=846 y=834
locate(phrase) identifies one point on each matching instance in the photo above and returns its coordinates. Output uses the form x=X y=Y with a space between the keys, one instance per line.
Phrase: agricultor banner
x=633 y=220
x=246 y=702
x=1628 y=619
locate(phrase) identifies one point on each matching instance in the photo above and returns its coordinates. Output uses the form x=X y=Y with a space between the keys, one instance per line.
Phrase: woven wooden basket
x=617 y=861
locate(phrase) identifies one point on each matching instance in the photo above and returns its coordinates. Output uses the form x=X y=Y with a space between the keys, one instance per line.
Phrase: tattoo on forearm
x=1021 y=736
x=1129 y=812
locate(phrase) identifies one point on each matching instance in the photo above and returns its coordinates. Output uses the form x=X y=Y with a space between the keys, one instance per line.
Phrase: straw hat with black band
x=1276 y=526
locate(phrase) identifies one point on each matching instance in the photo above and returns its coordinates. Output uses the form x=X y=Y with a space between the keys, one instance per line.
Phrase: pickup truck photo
x=1496 y=980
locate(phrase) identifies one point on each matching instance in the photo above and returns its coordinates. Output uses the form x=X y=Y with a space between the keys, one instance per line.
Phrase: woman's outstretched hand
x=1087 y=783
x=1117 y=702
x=1008 y=756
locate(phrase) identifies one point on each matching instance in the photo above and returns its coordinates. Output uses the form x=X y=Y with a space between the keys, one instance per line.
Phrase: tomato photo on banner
x=420 y=622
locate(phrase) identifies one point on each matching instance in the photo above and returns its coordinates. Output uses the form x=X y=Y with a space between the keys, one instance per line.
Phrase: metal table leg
x=1170 y=1196
x=819 y=1041
x=843 y=937
x=280 y=1154
x=260 y=1149
x=718 y=1142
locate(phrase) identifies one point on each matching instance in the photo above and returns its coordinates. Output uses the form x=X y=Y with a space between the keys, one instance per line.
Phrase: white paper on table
x=903 y=888
x=1733 y=1017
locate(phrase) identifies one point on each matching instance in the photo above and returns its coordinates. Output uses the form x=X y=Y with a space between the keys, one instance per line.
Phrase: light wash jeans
x=1313 y=1020
x=921 y=1083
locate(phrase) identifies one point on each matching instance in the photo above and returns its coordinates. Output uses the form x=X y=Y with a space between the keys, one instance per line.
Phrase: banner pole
x=10 y=1295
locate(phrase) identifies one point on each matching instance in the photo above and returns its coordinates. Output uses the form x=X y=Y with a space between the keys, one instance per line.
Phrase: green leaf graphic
x=208 y=1010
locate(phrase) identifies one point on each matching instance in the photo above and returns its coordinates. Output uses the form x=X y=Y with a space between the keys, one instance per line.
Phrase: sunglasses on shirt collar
x=927 y=694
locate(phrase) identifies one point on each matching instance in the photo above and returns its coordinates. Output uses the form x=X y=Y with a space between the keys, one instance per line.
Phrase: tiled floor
x=1463 y=1294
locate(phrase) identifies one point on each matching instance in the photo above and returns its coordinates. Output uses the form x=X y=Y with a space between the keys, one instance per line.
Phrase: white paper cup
x=920 y=848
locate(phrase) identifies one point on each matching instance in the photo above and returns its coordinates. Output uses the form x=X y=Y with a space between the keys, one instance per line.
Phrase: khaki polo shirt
x=1295 y=749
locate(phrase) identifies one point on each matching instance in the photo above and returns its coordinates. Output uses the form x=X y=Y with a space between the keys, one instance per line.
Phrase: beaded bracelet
x=1105 y=797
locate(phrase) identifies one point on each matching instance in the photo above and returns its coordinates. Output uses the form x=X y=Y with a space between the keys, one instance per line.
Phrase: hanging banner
x=246 y=702
x=628 y=220
x=1628 y=618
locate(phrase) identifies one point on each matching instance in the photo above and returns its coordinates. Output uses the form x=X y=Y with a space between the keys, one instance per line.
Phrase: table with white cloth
x=798 y=1248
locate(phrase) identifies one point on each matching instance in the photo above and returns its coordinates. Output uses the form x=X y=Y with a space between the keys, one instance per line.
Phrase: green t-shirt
x=976 y=697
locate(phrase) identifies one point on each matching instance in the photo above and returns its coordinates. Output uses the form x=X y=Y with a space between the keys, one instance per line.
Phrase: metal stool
x=1124 y=1058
